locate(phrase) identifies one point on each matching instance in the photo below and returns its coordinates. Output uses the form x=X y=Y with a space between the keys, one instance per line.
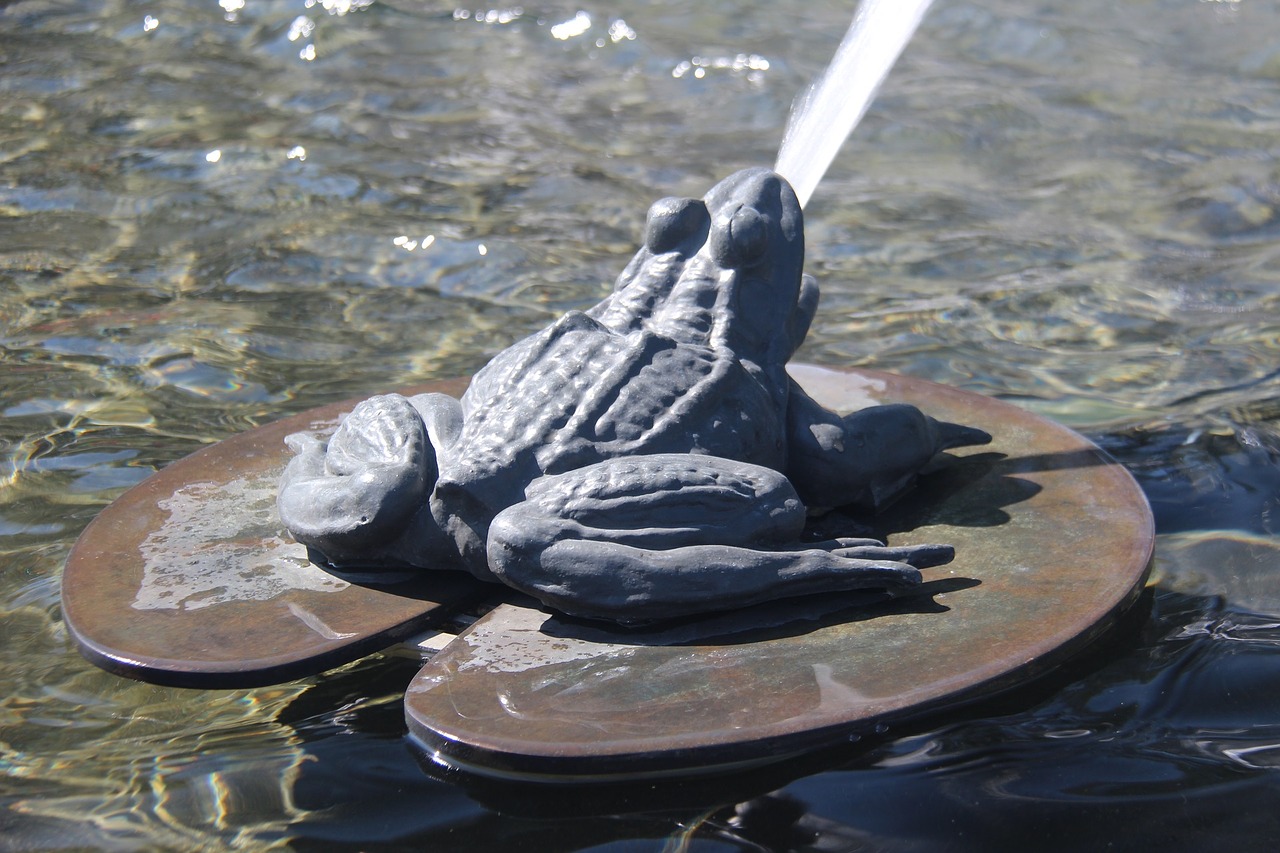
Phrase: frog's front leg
x=639 y=538
x=361 y=499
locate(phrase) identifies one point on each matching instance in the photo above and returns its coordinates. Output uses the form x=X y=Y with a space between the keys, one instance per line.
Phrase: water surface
x=215 y=214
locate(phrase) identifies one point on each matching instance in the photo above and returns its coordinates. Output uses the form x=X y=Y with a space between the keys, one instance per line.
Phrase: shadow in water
x=1203 y=479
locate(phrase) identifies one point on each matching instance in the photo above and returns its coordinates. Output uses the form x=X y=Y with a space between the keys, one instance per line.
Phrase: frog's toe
x=948 y=435
x=850 y=542
x=916 y=556
x=305 y=444
x=872 y=573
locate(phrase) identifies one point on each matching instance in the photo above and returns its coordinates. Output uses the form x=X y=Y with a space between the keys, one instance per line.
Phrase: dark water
x=213 y=215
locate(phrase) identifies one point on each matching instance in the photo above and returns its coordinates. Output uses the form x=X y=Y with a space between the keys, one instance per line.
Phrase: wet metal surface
x=189 y=578
x=1053 y=543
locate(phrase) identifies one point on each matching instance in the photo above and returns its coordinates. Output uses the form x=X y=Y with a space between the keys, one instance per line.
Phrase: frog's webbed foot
x=875 y=551
x=640 y=538
x=356 y=498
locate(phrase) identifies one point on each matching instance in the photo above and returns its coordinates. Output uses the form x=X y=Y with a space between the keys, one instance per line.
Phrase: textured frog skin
x=645 y=459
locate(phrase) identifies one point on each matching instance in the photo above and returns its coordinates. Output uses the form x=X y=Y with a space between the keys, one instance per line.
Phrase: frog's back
x=578 y=393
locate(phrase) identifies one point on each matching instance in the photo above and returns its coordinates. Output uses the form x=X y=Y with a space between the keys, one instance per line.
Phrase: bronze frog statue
x=647 y=458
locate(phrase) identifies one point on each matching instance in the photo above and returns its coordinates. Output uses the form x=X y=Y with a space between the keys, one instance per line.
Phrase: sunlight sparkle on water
x=339 y=7
x=753 y=64
x=409 y=245
x=301 y=28
x=575 y=26
x=619 y=31
x=492 y=16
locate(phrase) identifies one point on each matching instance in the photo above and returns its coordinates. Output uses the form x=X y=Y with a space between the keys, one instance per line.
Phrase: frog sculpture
x=645 y=459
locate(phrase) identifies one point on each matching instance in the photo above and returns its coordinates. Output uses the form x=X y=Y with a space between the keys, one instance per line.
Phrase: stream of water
x=828 y=111
x=214 y=213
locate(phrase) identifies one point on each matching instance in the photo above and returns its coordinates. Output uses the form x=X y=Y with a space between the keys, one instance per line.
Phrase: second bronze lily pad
x=1053 y=541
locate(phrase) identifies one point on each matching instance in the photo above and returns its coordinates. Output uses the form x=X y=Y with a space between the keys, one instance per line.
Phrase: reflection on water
x=216 y=213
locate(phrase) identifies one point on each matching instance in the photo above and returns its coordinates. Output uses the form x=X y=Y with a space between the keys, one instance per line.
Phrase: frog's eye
x=671 y=220
x=741 y=240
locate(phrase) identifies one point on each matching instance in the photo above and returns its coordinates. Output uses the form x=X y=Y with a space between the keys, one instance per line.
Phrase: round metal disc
x=189 y=578
x=1053 y=542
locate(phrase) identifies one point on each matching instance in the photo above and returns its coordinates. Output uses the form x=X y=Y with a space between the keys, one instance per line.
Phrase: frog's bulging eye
x=671 y=220
x=741 y=240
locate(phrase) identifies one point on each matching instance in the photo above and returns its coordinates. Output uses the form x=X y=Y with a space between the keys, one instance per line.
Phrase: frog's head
x=745 y=239
x=755 y=221
x=756 y=239
x=724 y=269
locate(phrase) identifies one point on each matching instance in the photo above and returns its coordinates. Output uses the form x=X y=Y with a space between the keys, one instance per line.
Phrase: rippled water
x=213 y=214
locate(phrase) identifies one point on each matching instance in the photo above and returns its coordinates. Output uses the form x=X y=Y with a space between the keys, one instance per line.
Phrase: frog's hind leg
x=866 y=459
x=639 y=538
x=360 y=500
